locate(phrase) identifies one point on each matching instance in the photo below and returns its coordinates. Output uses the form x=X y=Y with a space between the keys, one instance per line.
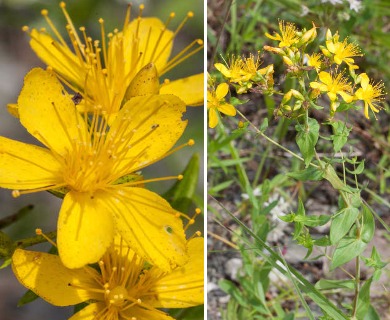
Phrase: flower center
x=118 y=296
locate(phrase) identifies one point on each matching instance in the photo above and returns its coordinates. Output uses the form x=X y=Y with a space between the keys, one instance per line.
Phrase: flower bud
x=309 y=35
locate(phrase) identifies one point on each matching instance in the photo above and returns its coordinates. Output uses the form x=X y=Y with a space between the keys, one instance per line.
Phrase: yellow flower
x=333 y=85
x=216 y=102
x=86 y=158
x=314 y=61
x=288 y=34
x=236 y=70
x=341 y=51
x=102 y=71
x=122 y=288
x=371 y=94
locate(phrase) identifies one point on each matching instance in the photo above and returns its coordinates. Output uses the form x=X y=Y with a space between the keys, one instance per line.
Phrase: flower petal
x=85 y=228
x=213 y=118
x=183 y=287
x=89 y=312
x=152 y=39
x=145 y=129
x=140 y=313
x=325 y=77
x=45 y=274
x=150 y=227
x=25 y=166
x=227 y=109
x=48 y=112
x=59 y=57
x=222 y=68
x=190 y=89
x=222 y=90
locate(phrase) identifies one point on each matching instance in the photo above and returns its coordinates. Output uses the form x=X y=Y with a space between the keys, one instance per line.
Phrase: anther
x=191 y=142
x=180 y=177
x=25 y=28
x=62 y=4
x=172 y=15
x=15 y=193
x=44 y=12
x=190 y=14
x=101 y=20
x=199 y=41
x=198 y=211
x=39 y=232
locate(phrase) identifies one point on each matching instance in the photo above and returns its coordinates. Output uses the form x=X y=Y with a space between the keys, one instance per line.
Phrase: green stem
x=28 y=242
x=357 y=288
x=273 y=141
x=5 y=222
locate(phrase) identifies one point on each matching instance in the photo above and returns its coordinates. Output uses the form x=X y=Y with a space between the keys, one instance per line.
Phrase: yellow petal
x=222 y=68
x=183 y=287
x=152 y=39
x=12 y=109
x=153 y=124
x=48 y=112
x=85 y=228
x=149 y=225
x=60 y=58
x=227 y=109
x=213 y=118
x=89 y=312
x=140 y=313
x=144 y=83
x=222 y=90
x=332 y=96
x=45 y=274
x=364 y=80
x=190 y=89
x=347 y=97
x=25 y=166
x=325 y=77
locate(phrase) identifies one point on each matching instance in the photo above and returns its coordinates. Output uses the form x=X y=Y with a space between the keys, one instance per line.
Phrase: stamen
x=192 y=220
x=176 y=61
x=17 y=193
x=45 y=14
x=127 y=18
x=39 y=232
x=69 y=20
x=101 y=21
x=135 y=183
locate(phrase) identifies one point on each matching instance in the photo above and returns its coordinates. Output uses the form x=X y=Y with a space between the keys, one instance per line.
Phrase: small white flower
x=355 y=5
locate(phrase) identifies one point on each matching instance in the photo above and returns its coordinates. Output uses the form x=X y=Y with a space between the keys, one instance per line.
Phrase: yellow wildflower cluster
x=94 y=144
x=329 y=70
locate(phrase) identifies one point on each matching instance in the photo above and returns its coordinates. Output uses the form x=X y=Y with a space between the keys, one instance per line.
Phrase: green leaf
x=371 y=314
x=230 y=288
x=358 y=170
x=315 y=221
x=364 y=299
x=308 y=174
x=325 y=284
x=28 y=297
x=264 y=125
x=342 y=223
x=181 y=194
x=236 y=102
x=347 y=249
x=340 y=134
x=307 y=138
x=375 y=262
x=194 y=313
x=368 y=225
